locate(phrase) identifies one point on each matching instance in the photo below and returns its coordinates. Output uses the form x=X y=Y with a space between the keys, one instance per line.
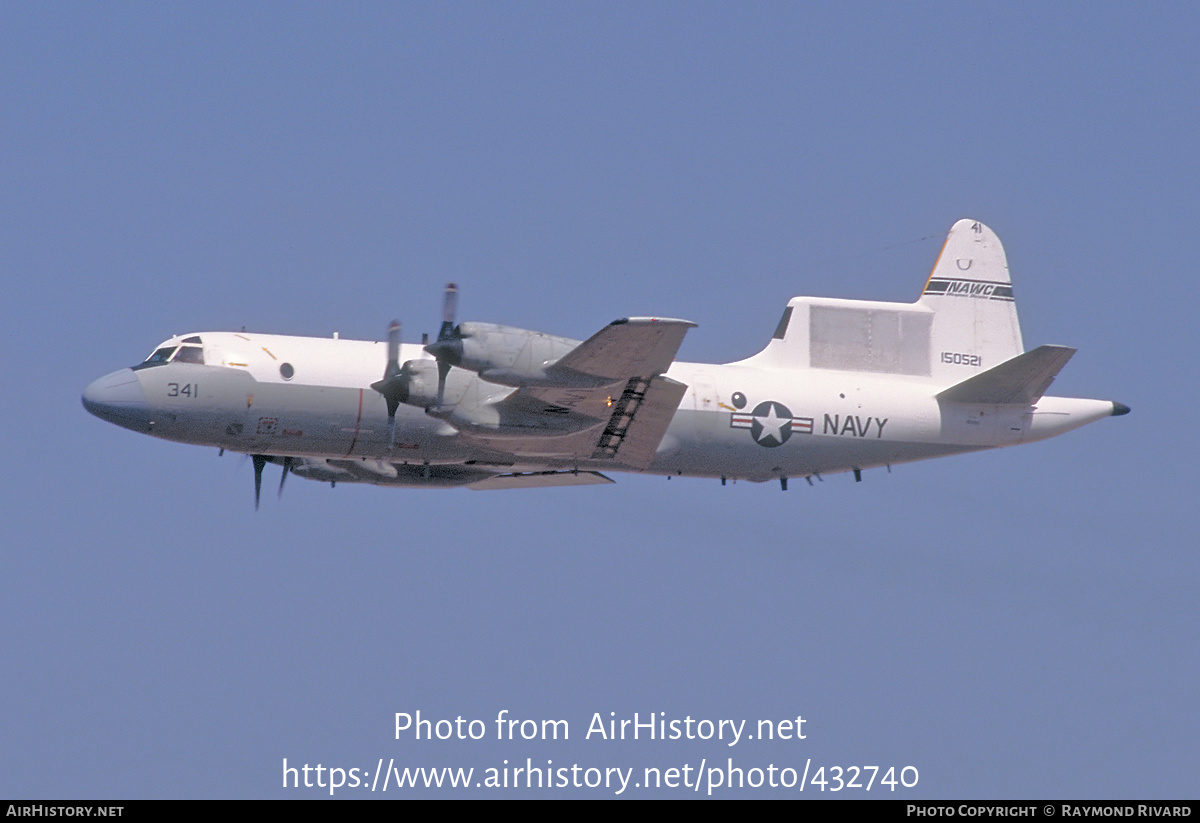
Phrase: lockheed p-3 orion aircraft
x=842 y=386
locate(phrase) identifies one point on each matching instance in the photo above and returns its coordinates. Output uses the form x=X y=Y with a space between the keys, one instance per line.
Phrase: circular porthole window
x=739 y=400
x=287 y=371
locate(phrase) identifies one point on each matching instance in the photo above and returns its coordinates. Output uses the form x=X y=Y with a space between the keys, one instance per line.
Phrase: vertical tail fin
x=970 y=293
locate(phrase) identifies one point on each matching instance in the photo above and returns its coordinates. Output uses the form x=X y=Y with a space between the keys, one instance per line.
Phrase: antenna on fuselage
x=287 y=467
x=259 y=462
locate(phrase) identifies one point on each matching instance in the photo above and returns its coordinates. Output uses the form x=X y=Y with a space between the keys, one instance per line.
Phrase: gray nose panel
x=119 y=398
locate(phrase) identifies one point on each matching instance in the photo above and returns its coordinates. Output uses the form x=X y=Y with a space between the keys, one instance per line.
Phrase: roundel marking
x=771 y=424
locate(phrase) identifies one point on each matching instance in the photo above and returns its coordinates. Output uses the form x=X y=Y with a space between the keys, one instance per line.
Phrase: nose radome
x=119 y=398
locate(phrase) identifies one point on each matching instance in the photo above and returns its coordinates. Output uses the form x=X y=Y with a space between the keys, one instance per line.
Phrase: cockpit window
x=195 y=338
x=159 y=357
x=177 y=354
x=190 y=354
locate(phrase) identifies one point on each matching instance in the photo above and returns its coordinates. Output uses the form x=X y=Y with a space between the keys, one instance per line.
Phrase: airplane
x=841 y=386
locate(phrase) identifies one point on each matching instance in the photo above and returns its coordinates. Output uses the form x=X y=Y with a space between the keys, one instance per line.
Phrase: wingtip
x=1119 y=409
x=666 y=321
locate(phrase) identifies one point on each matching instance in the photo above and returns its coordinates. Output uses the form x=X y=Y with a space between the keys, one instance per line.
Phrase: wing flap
x=639 y=420
x=1022 y=379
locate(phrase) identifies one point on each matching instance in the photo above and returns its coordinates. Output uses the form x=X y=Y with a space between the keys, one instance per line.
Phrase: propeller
x=393 y=386
x=446 y=350
x=448 y=346
x=449 y=309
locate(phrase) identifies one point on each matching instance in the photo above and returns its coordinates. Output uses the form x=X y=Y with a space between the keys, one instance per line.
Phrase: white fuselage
x=312 y=397
x=842 y=385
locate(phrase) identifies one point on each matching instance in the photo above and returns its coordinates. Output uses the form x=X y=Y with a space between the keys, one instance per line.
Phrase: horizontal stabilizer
x=1023 y=379
x=537 y=480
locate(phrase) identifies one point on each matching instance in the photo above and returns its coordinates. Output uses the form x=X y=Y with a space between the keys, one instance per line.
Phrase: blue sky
x=1019 y=623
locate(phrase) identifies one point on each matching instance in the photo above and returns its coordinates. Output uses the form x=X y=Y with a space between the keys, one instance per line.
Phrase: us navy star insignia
x=771 y=423
x=770 y=428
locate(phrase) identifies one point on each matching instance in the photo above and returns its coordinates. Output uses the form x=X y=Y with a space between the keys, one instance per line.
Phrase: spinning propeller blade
x=449 y=310
x=393 y=386
x=448 y=346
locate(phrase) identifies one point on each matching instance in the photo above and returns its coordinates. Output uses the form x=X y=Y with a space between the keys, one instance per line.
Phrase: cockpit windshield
x=176 y=354
x=161 y=356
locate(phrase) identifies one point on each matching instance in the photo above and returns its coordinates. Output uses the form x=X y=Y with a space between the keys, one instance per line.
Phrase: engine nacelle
x=420 y=381
x=503 y=354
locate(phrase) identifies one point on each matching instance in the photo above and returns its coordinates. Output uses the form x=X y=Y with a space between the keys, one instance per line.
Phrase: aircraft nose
x=119 y=398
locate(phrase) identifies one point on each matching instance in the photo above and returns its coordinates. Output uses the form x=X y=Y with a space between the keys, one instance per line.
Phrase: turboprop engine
x=504 y=354
x=420 y=382
x=491 y=361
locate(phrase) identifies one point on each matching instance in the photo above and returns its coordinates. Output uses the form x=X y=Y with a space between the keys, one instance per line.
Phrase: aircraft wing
x=608 y=393
x=630 y=347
